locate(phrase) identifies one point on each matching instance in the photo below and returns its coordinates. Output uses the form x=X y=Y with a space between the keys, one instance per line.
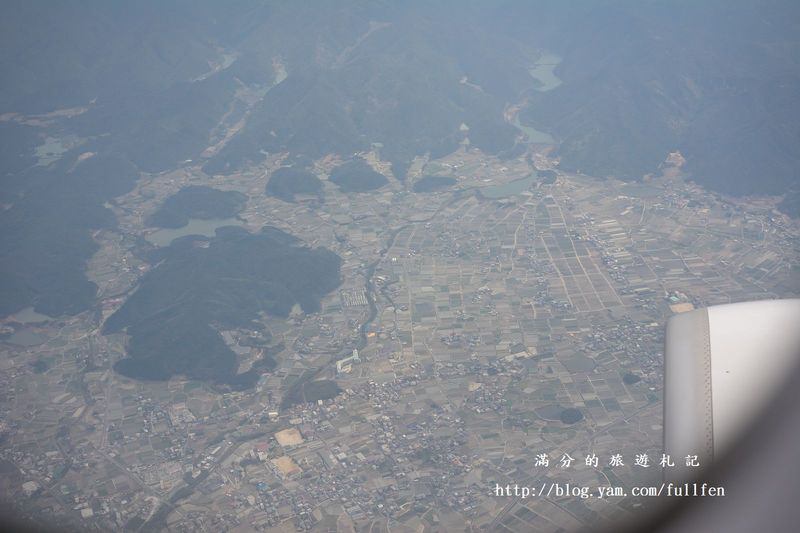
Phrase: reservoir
x=196 y=226
x=51 y=150
x=543 y=72
x=508 y=189
x=26 y=337
x=29 y=316
x=534 y=136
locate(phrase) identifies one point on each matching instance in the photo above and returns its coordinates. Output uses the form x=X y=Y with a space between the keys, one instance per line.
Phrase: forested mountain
x=226 y=283
x=716 y=80
x=150 y=85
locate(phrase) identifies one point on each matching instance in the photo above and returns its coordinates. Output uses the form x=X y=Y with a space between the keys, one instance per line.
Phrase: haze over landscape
x=347 y=265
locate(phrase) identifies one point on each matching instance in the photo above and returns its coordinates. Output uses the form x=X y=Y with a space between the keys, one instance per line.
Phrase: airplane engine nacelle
x=722 y=365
